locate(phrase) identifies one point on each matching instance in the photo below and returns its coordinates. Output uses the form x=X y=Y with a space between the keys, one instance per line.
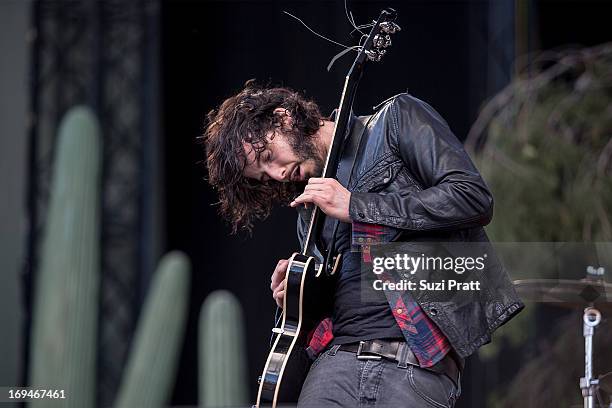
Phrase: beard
x=305 y=149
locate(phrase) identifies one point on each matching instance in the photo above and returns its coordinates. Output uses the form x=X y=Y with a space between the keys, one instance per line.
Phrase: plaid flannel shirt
x=425 y=339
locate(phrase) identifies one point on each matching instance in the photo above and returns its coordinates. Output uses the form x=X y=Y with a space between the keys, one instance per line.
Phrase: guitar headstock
x=379 y=39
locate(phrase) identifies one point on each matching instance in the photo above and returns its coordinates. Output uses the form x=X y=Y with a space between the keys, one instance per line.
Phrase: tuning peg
x=382 y=41
x=372 y=55
x=375 y=55
x=389 y=27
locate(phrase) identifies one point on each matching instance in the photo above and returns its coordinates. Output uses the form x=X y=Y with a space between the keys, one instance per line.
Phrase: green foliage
x=64 y=331
x=548 y=152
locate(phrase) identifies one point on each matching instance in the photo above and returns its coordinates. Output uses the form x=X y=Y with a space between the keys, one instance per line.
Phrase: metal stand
x=588 y=384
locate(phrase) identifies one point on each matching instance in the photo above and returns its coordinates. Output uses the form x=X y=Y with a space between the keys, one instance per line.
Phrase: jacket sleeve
x=452 y=194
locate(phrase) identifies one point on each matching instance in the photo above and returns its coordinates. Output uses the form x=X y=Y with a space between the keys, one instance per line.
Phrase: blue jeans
x=338 y=379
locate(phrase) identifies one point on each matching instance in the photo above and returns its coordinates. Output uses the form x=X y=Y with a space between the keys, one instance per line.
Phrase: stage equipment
x=591 y=294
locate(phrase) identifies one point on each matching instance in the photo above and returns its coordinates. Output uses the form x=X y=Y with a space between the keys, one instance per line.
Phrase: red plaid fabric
x=425 y=339
x=365 y=235
x=320 y=337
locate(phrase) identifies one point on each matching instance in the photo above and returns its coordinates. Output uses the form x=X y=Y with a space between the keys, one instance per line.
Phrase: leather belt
x=397 y=350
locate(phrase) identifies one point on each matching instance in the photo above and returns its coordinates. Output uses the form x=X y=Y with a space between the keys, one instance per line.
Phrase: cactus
x=150 y=372
x=222 y=357
x=63 y=346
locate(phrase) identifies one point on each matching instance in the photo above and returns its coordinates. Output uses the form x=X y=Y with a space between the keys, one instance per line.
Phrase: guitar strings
x=363 y=26
x=317 y=34
x=337 y=56
x=277 y=319
x=350 y=18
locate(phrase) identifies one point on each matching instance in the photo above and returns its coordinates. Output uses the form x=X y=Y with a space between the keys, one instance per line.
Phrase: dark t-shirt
x=359 y=312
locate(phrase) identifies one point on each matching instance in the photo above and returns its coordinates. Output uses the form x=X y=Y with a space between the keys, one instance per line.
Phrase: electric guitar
x=308 y=281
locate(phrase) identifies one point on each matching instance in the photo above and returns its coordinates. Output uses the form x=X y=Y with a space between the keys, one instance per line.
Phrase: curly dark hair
x=248 y=117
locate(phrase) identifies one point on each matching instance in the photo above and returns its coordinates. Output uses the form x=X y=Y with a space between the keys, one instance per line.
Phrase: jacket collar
x=351 y=122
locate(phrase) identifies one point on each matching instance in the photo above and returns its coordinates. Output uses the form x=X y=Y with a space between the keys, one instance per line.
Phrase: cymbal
x=575 y=294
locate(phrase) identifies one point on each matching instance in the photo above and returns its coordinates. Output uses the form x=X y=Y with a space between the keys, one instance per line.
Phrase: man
x=411 y=179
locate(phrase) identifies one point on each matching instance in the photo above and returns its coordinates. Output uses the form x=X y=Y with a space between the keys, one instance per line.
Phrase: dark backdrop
x=452 y=54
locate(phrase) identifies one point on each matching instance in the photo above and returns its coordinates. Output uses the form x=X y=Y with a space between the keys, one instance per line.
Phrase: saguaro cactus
x=151 y=369
x=222 y=357
x=63 y=346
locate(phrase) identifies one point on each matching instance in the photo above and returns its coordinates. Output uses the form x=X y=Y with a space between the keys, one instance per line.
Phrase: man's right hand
x=278 y=281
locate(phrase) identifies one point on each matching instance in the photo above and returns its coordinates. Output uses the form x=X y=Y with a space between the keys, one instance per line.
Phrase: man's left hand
x=327 y=194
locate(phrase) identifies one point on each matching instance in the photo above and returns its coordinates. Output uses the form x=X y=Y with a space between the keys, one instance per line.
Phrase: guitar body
x=306 y=299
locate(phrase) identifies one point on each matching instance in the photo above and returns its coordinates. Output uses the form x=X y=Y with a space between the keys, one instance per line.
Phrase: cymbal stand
x=588 y=384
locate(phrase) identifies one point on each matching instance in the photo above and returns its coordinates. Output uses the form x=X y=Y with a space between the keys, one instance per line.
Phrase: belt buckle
x=365 y=357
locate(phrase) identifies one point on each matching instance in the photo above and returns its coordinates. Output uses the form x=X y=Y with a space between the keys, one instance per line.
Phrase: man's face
x=284 y=159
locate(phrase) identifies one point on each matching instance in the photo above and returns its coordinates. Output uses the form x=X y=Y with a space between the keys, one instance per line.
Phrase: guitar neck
x=373 y=49
x=317 y=219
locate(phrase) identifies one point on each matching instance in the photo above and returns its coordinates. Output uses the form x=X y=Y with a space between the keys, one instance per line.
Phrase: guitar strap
x=343 y=175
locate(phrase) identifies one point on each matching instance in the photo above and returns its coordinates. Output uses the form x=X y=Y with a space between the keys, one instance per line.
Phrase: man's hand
x=278 y=281
x=329 y=195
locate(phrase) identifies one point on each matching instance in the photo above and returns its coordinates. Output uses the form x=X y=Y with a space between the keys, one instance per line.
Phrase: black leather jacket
x=412 y=174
